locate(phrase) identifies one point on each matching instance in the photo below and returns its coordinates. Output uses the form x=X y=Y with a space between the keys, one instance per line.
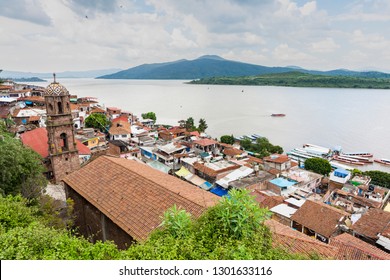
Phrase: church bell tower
x=63 y=153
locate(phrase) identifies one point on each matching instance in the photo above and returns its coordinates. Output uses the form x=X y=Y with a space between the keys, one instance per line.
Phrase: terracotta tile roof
x=232 y=151
x=120 y=127
x=352 y=248
x=4 y=111
x=135 y=196
x=195 y=133
x=374 y=221
x=32 y=98
x=267 y=201
x=121 y=118
x=37 y=140
x=176 y=130
x=113 y=109
x=277 y=158
x=97 y=110
x=386 y=231
x=296 y=242
x=252 y=159
x=34 y=118
x=205 y=142
x=211 y=172
x=319 y=217
x=274 y=171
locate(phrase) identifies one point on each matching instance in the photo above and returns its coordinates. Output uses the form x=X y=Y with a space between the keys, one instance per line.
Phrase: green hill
x=299 y=79
x=208 y=66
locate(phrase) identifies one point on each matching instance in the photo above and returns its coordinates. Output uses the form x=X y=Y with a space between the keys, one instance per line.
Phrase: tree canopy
x=318 y=165
x=149 y=115
x=262 y=147
x=98 y=121
x=233 y=229
x=227 y=139
x=21 y=168
x=379 y=178
x=202 y=125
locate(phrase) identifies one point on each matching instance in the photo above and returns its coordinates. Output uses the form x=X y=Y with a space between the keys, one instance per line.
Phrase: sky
x=77 y=35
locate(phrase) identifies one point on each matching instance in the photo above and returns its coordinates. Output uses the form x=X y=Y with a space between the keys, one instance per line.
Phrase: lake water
x=355 y=119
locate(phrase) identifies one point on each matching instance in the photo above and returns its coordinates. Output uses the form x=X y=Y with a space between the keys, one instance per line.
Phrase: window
x=60 y=110
x=64 y=142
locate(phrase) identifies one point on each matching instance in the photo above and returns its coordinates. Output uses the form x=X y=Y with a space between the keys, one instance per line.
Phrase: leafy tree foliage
x=233 y=229
x=21 y=169
x=262 y=147
x=98 y=121
x=379 y=178
x=149 y=115
x=202 y=125
x=318 y=165
x=190 y=124
x=24 y=235
x=227 y=139
x=299 y=79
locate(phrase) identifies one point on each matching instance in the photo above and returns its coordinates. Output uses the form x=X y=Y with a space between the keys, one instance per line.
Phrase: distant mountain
x=24 y=80
x=202 y=67
x=66 y=74
x=215 y=66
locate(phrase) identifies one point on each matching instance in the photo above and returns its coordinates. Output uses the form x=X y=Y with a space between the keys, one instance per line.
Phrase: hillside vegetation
x=299 y=79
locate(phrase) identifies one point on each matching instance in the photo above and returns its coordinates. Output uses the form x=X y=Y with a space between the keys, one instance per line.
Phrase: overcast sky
x=60 y=35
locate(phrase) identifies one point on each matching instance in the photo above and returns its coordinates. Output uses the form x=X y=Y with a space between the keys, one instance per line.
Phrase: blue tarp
x=219 y=191
x=204 y=154
x=206 y=186
x=282 y=183
x=342 y=173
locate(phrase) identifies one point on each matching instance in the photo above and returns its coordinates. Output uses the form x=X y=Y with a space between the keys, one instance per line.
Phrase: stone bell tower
x=63 y=153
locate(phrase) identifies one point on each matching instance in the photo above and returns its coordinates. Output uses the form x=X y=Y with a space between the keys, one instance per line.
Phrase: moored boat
x=383 y=161
x=364 y=154
x=348 y=160
x=359 y=158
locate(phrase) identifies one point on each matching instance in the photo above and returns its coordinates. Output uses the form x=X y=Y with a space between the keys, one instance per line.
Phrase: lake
x=355 y=119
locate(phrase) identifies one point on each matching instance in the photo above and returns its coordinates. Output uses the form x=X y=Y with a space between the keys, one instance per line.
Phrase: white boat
x=383 y=161
x=320 y=149
x=366 y=155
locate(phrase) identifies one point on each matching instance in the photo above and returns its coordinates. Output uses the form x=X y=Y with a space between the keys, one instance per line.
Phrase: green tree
x=98 y=121
x=21 y=169
x=202 y=125
x=25 y=235
x=234 y=229
x=227 y=139
x=189 y=124
x=318 y=165
x=379 y=178
x=149 y=115
x=246 y=144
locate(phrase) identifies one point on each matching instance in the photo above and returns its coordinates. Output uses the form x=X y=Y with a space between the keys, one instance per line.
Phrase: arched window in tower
x=67 y=106
x=51 y=107
x=60 y=110
x=64 y=142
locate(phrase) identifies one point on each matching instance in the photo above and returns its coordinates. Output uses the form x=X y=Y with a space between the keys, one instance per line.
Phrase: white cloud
x=86 y=34
x=308 y=8
x=326 y=45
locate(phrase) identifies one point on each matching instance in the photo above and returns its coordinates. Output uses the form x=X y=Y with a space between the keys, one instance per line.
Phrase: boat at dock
x=359 y=158
x=278 y=115
x=366 y=155
x=383 y=161
x=348 y=160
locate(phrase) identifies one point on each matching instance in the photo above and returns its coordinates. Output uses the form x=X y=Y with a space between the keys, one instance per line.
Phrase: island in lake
x=299 y=79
